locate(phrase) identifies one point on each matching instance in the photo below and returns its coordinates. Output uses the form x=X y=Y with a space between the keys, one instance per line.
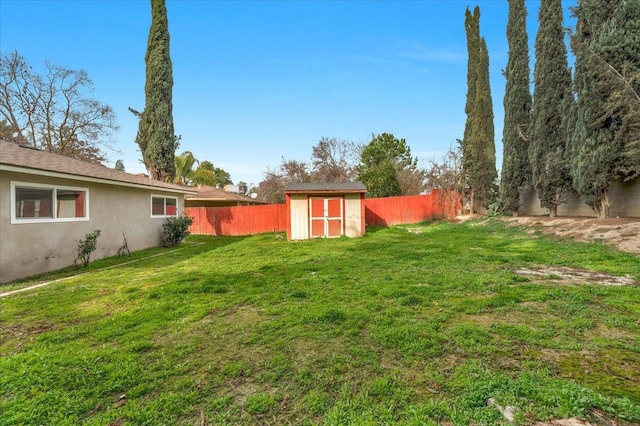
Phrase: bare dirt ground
x=624 y=233
x=566 y=275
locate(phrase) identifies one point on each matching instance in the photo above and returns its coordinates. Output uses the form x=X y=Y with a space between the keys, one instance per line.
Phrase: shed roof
x=344 y=187
x=23 y=159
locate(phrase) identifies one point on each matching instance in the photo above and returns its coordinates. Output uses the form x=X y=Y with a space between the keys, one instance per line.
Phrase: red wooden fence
x=398 y=210
x=241 y=220
x=249 y=220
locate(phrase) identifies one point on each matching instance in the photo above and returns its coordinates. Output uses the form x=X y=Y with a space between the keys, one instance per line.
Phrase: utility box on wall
x=327 y=210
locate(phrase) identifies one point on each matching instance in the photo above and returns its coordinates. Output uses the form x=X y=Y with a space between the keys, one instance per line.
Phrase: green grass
x=396 y=327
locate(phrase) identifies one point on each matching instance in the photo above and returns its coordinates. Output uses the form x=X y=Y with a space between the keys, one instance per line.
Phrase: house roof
x=209 y=193
x=23 y=159
x=343 y=187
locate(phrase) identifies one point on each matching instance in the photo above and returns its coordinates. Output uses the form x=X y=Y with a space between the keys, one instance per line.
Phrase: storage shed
x=325 y=210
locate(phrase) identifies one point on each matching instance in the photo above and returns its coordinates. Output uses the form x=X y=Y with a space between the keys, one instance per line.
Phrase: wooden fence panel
x=447 y=204
x=240 y=220
x=399 y=210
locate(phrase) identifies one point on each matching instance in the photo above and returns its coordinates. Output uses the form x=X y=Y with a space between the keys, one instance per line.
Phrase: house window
x=48 y=203
x=163 y=206
x=69 y=203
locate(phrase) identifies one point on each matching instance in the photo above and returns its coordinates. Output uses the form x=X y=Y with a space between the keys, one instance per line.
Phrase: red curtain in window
x=28 y=208
x=80 y=204
x=45 y=208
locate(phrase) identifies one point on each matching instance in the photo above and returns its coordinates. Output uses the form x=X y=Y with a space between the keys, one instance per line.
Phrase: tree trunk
x=473 y=203
x=605 y=203
x=553 y=211
x=515 y=213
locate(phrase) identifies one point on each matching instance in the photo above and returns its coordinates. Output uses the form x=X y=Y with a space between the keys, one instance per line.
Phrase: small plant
x=86 y=247
x=260 y=403
x=124 y=249
x=333 y=316
x=175 y=230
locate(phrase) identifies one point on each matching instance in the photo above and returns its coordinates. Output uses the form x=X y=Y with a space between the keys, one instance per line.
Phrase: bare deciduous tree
x=446 y=174
x=52 y=111
x=335 y=160
x=447 y=177
x=332 y=160
x=271 y=189
x=412 y=181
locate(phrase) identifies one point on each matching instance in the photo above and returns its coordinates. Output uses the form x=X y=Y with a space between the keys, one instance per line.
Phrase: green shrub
x=175 y=230
x=86 y=247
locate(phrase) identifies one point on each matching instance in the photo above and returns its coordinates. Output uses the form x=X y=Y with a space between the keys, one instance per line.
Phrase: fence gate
x=326 y=216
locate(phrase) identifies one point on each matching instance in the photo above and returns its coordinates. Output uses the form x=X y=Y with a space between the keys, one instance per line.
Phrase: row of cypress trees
x=578 y=134
x=605 y=144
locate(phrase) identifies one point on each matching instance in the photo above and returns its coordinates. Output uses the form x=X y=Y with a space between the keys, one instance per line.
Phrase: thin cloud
x=418 y=51
x=405 y=52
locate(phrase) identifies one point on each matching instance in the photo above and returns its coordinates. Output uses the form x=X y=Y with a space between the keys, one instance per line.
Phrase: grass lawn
x=408 y=325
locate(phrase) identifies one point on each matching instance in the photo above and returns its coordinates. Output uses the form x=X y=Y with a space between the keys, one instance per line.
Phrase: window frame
x=54 y=211
x=164 y=198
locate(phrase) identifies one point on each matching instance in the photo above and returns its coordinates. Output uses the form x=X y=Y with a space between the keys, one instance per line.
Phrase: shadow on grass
x=194 y=245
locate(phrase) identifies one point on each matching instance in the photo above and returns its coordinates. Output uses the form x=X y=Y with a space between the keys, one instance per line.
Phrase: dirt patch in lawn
x=565 y=275
x=594 y=418
x=624 y=233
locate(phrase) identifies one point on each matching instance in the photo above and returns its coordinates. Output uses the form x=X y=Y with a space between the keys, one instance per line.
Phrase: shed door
x=326 y=216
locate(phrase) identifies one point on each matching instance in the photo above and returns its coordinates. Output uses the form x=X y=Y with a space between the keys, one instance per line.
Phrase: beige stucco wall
x=624 y=197
x=33 y=248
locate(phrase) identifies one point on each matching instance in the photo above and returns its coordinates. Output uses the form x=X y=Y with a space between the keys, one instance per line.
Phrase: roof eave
x=40 y=172
x=235 y=200
x=325 y=191
x=208 y=199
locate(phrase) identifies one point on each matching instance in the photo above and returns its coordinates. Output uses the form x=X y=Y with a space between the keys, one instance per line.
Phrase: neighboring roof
x=23 y=159
x=209 y=193
x=326 y=187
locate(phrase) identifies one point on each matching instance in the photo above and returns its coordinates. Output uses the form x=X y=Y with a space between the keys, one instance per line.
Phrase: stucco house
x=48 y=202
x=210 y=196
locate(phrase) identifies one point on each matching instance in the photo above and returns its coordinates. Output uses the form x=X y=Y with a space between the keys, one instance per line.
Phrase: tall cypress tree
x=548 y=148
x=607 y=130
x=472 y=29
x=516 y=170
x=156 y=137
x=484 y=173
x=478 y=145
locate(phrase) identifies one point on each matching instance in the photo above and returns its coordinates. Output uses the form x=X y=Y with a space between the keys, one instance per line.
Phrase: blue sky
x=256 y=81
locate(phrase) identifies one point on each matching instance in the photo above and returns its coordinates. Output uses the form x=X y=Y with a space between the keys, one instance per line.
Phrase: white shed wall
x=352 y=215
x=299 y=216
